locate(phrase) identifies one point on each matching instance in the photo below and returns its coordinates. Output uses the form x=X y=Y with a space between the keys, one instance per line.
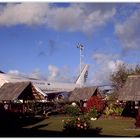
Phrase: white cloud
x=76 y=17
x=106 y=65
x=100 y=57
x=128 y=32
x=23 y=13
x=14 y=72
x=36 y=74
x=113 y=65
x=96 y=77
x=80 y=17
x=53 y=72
x=56 y=74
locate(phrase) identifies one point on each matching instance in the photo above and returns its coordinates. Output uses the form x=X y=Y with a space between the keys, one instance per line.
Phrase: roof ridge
x=136 y=75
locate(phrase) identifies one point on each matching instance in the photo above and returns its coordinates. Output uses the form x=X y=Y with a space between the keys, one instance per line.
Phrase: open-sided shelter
x=131 y=89
x=84 y=93
x=130 y=93
x=19 y=91
x=13 y=96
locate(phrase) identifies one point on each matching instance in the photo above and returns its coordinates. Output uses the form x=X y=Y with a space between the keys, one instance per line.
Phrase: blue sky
x=39 y=39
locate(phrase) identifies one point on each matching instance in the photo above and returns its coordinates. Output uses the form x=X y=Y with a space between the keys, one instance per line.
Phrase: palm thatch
x=131 y=89
x=83 y=93
x=19 y=90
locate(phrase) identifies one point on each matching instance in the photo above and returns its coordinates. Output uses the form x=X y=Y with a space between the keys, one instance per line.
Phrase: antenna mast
x=81 y=47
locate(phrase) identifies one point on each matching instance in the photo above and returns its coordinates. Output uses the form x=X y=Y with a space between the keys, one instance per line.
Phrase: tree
x=137 y=69
x=119 y=77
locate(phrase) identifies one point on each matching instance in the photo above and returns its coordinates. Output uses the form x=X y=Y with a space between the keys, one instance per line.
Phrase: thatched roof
x=19 y=90
x=82 y=93
x=131 y=89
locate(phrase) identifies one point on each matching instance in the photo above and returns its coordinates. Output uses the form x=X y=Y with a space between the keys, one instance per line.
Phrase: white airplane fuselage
x=46 y=86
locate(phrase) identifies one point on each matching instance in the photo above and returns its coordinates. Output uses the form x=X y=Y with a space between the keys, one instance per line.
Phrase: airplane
x=47 y=86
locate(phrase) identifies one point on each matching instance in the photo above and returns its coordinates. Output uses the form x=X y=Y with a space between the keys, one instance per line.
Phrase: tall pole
x=81 y=47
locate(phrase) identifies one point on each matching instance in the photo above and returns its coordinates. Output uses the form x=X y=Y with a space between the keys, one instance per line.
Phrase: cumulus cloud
x=53 y=72
x=23 y=13
x=100 y=57
x=80 y=17
x=56 y=74
x=76 y=17
x=128 y=32
x=106 y=65
x=14 y=72
x=113 y=65
x=36 y=74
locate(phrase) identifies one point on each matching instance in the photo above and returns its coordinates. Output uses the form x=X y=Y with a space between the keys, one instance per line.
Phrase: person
x=85 y=103
x=6 y=106
x=81 y=103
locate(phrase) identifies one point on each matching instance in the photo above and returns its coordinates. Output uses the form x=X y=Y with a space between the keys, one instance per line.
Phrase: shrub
x=75 y=124
x=72 y=110
x=93 y=113
x=108 y=111
x=113 y=110
x=96 y=102
x=118 y=111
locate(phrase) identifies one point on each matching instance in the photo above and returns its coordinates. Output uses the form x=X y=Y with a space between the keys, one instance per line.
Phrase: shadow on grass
x=10 y=120
x=12 y=125
x=35 y=132
x=26 y=132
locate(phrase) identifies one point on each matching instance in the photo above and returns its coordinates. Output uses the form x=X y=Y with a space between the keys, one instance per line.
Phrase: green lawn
x=117 y=127
x=110 y=127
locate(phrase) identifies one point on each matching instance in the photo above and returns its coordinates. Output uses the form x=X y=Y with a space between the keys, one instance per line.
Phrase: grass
x=110 y=127
x=53 y=123
x=11 y=126
x=117 y=127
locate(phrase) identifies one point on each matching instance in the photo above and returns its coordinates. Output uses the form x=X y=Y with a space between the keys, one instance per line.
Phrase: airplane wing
x=56 y=91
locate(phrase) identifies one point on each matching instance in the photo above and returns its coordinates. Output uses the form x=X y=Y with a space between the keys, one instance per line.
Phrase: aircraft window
x=39 y=83
x=1 y=71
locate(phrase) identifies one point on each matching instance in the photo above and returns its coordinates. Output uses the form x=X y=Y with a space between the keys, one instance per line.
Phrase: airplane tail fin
x=83 y=76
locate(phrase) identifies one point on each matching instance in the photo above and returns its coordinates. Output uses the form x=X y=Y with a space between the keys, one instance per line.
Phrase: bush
x=75 y=124
x=108 y=111
x=72 y=110
x=118 y=111
x=96 y=102
x=93 y=113
x=113 y=110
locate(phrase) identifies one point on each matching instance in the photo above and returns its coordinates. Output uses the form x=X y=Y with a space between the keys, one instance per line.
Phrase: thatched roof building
x=131 y=89
x=19 y=90
x=83 y=93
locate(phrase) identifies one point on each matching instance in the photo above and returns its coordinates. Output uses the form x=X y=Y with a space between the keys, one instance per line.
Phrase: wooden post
x=138 y=119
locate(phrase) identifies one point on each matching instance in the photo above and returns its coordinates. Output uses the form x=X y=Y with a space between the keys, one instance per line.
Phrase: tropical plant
x=72 y=110
x=108 y=111
x=113 y=110
x=118 y=110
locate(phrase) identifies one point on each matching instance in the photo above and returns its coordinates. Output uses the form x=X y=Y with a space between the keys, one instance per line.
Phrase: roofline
x=136 y=75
